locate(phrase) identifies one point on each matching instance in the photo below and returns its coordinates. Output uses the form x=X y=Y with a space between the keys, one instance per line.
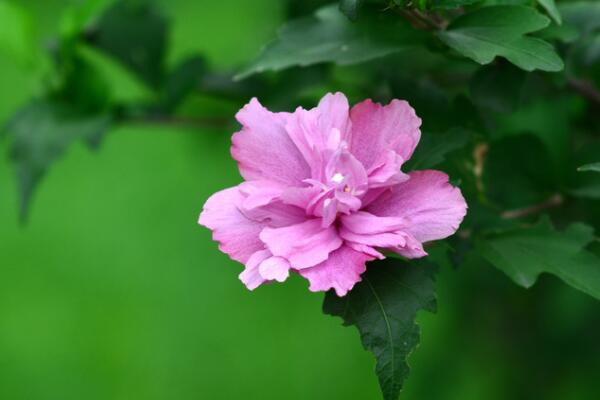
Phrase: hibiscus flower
x=324 y=193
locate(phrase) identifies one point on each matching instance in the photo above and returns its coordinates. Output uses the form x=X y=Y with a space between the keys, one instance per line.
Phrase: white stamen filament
x=337 y=177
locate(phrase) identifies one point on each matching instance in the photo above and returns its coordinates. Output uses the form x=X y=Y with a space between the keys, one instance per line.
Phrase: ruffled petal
x=376 y=129
x=320 y=131
x=236 y=233
x=274 y=269
x=433 y=209
x=251 y=276
x=263 y=148
x=341 y=271
x=303 y=245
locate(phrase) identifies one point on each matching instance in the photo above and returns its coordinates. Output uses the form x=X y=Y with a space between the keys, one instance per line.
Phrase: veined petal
x=303 y=245
x=250 y=276
x=377 y=128
x=433 y=209
x=341 y=271
x=237 y=234
x=319 y=132
x=263 y=149
x=274 y=269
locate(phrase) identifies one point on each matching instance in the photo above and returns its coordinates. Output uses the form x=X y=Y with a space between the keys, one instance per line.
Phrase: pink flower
x=324 y=193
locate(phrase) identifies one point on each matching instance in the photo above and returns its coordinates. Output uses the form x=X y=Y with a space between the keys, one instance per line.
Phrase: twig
x=585 y=89
x=205 y=122
x=553 y=201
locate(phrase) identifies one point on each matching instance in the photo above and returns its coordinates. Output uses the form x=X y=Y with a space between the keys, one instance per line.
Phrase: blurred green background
x=112 y=291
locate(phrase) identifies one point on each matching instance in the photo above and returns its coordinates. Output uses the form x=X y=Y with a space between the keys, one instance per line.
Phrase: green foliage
x=16 y=33
x=489 y=32
x=383 y=307
x=590 y=167
x=550 y=7
x=525 y=253
x=515 y=130
x=329 y=36
x=135 y=33
x=40 y=133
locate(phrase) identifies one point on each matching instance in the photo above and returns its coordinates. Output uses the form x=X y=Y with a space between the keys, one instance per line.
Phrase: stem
x=555 y=200
x=183 y=122
x=586 y=89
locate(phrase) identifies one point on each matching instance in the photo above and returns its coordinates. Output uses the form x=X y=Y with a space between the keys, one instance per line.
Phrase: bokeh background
x=112 y=291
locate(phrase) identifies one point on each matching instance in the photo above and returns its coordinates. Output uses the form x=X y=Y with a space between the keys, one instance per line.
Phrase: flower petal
x=303 y=245
x=341 y=271
x=263 y=148
x=377 y=128
x=251 y=276
x=433 y=208
x=274 y=268
x=236 y=233
x=320 y=131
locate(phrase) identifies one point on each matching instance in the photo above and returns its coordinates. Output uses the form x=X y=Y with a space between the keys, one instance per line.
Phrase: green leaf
x=40 y=133
x=550 y=7
x=447 y=4
x=185 y=79
x=595 y=167
x=350 y=8
x=489 y=32
x=583 y=15
x=16 y=33
x=383 y=307
x=135 y=33
x=525 y=253
x=498 y=87
x=81 y=15
x=433 y=148
x=328 y=36
x=123 y=86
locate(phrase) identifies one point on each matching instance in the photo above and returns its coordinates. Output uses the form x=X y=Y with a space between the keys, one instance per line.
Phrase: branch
x=555 y=200
x=586 y=89
x=181 y=122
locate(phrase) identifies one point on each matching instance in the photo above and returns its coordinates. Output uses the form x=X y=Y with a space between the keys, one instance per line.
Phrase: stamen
x=337 y=177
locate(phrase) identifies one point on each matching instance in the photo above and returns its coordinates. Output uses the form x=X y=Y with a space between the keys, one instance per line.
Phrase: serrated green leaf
x=383 y=307
x=16 y=33
x=500 y=31
x=525 y=253
x=595 y=167
x=551 y=9
x=328 y=36
x=135 y=33
x=40 y=132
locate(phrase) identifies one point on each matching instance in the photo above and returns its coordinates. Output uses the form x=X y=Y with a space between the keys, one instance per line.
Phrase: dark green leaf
x=350 y=8
x=447 y=4
x=185 y=79
x=583 y=15
x=489 y=32
x=525 y=253
x=40 y=132
x=550 y=7
x=135 y=33
x=433 y=148
x=498 y=87
x=590 y=167
x=383 y=307
x=329 y=36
